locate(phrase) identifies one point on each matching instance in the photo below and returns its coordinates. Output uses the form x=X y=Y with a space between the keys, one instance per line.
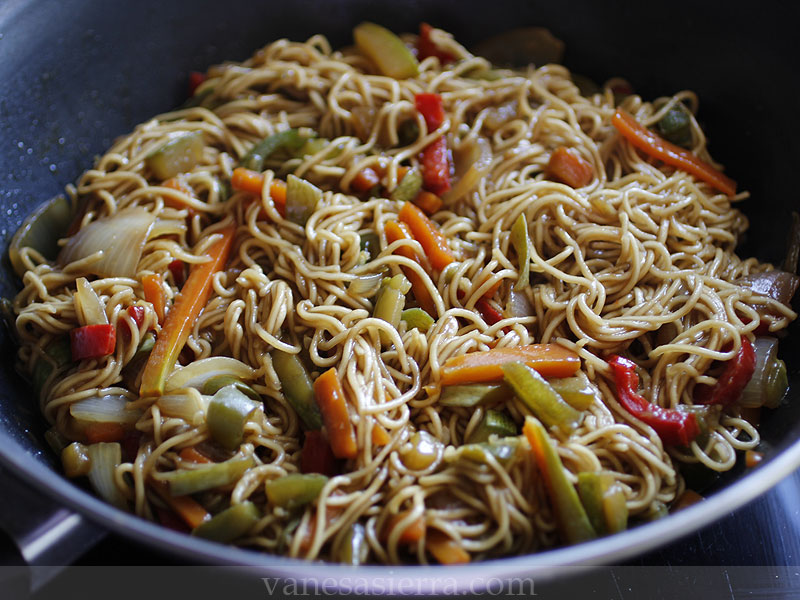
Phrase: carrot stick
x=429 y=202
x=399 y=231
x=365 y=180
x=411 y=534
x=103 y=432
x=445 y=549
x=187 y=508
x=550 y=360
x=653 y=145
x=191 y=454
x=428 y=235
x=180 y=320
x=380 y=437
x=245 y=180
x=153 y=287
x=180 y=185
x=332 y=405
x=567 y=166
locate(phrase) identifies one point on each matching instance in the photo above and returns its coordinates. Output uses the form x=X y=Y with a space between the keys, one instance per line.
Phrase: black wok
x=75 y=75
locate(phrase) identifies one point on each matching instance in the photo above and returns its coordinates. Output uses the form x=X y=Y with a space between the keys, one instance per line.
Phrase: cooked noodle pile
x=640 y=262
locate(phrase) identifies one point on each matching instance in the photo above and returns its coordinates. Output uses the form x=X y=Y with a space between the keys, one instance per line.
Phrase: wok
x=76 y=75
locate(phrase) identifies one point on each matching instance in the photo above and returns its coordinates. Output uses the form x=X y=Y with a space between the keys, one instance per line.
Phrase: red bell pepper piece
x=427 y=47
x=137 y=314
x=92 y=341
x=674 y=427
x=317 y=456
x=733 y=380
x=177 y=270
x=195 y=79
x=434 y=158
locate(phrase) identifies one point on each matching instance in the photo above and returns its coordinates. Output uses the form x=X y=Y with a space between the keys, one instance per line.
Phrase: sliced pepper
x=738 y=371
x=216 y=383
x=295 y=489
x=539 y=396
x=386 y=50
x=493 y=423
x=289 y=139
x=416 y=318
x=389 y=302
x=604 y=501
x=435 y=158
x=474 y=394
x=317 y=456
x=503 y=450
x=228 y=413
x=92 y=341
x=674 y=427
x=56 y=356
x=206 y=477
x=302 y=198
x=572 y=520
x=576 y=391
x=179 y=155
x=297 y=388
x=520 y=239
x=408 y=188
x=230 y=524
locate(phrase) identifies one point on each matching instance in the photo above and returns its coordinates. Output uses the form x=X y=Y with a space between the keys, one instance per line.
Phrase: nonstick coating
x=74 y=76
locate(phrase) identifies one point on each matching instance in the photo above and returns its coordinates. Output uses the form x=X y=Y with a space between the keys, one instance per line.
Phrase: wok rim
x=546 y=564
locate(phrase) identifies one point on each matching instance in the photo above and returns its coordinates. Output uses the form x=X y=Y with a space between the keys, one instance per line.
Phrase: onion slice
x=110 y=408
x=119 y=238
x=187 y=404
x=472 y=161
x=195 y=374
x=769 y=382
x=88 y=306
x=105 y=458
x=778 y=285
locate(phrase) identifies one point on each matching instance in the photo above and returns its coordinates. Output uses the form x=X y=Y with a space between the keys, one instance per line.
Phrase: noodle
x=640 y=262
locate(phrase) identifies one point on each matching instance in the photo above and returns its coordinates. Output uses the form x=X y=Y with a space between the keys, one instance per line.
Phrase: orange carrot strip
x=177 y=183
x=180 y=320
x=153 y=287
x=752 y=458
x=428 y=235
x=653 y=145
x=686 y=499
x=411 y=534
x=567 y=166
x=429 y=202
x=103 y=432
x=550 y=360
x=186 y=507
x=365 y=180
x=445 y=549
x=399 y=231
x=245 y=180
x=380 y=437
x=191 y=454
x=330 y=398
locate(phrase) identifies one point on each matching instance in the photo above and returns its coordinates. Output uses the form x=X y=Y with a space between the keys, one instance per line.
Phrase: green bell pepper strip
x=534 y=391
x=409 y=187
x=520 y=239
x=297 y=388
x=233 y=522
x=604 y=501
x=179 y=155
x=289 y=139
x=208 y=477
x=493 y=423
x=302 y=198
x=227 y=414
x=295 y=489
x=503 y=450
x=575 y=391
x=572 y=520
x=56 y=356
x=474 y=394
x=416 y=318
x=389 y=302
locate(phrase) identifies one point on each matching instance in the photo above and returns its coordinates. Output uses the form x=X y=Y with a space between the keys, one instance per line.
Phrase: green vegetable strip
x=475 y=394
x=208 y=477
x=572 y=519
x=297 y=388
x=356 y=548
x=56 y=356
x=409 y=187
x=576 y=391
x=534 y=391
x=390 y=301
x=295 y=489
x=416 y=318
x=290 y=140
x=230 y=524
x=228 y=412
x=179 y=155
x=493 y=423
x=503 y=451
x=520 y=239
x=604 y=501
x=302 y=198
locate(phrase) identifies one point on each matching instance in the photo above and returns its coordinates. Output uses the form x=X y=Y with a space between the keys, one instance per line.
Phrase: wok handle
x=49 y=537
